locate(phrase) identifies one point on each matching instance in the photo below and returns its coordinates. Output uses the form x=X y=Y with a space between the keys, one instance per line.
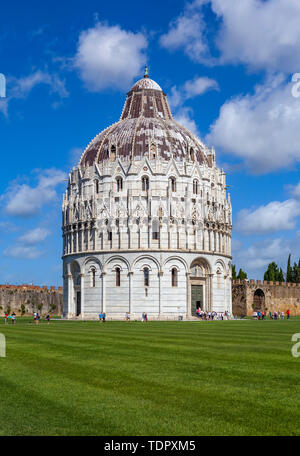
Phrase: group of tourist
x=202 y=315
x=11 y=317
x=102 y=317
x=261 y=315
x=144 y=317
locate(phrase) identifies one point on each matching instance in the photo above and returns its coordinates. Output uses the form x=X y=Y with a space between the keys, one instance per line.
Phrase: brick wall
x=278 y=296
x=28 y=299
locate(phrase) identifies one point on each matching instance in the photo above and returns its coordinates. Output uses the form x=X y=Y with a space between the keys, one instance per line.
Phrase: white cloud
x=187 y=32
x=275 y=216
x=262 y=129
x=183 y=117
x=19 y=88
x=23 y=252
x=34 y=236
x=261 y=34
x=198 y=86
x=190 y=89
x=109 y=57
x=23 y=200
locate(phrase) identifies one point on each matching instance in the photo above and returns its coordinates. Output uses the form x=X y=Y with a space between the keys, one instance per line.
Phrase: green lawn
x=155 y=378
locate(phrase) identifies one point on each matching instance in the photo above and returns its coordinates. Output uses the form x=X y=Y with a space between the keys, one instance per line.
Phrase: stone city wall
x=250 y=295
x=27 y=299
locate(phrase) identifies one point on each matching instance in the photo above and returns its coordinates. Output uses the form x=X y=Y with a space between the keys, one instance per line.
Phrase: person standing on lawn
x=288 y=314
x=6 y=318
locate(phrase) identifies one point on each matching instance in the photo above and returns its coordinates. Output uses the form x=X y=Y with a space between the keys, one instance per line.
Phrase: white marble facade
x=146 y=220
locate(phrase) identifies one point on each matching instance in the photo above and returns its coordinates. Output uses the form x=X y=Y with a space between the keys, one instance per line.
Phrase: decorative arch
x=92 y=259
x=201 y=262
x=176 y=258
x=145 y=258
x=146 y=265
x=117 y=259
x=220 y=263
x=115 y=266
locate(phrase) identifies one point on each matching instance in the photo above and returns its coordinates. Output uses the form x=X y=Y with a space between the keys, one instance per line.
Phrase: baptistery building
x=146 y=219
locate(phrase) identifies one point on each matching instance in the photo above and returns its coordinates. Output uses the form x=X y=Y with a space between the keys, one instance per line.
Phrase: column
x=130 y=274
x=160 y=275
x=188 y=295
x=103 y=292
x=82 y=294
x=77 y=240
x=210 y=291
x=70 y=296
x=72 y=241
x=88 y=237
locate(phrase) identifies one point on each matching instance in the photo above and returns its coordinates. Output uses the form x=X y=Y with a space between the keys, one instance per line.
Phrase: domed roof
x=146 y=121
x=146 y=83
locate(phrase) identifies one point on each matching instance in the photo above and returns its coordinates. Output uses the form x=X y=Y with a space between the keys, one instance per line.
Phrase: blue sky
x=227 y=69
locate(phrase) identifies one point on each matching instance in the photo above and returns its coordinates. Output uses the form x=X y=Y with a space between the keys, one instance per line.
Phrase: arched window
x=96 y=186
x=93 y=277
x=113 y=153
x=146 y=277
x=153 y=151
x=192 y=154
x=109 y=235
x=173 y=184
x=119 y=181
x=195 y=187
x=118 y=277
x=174 y=274
x=145 y=183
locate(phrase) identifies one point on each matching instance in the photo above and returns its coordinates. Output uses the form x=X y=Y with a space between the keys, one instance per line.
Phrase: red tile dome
x=146 y=120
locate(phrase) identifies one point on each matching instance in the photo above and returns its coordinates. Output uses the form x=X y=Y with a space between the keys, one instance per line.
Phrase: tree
x=296 y=273
x=273 y=274
x=281 y=276
x=242 y=274
x=233 y=272
x=289 y=275
x=293 y=272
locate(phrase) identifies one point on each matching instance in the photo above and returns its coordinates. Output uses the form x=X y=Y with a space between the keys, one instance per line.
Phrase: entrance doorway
x=258 y=300
x=196 y=299
x=78 y=303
